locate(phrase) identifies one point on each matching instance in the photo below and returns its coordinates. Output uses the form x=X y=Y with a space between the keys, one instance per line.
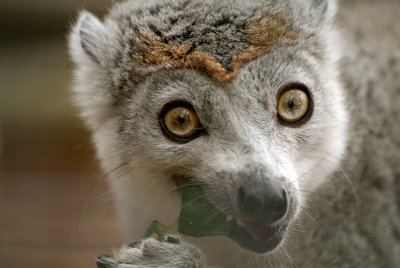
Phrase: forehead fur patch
x=152 y=53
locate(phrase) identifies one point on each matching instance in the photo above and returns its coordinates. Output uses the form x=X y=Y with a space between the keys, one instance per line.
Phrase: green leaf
x=198 y=218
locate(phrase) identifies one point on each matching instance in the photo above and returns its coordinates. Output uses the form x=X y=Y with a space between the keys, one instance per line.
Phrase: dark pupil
x=181 y=118
x=291 y=104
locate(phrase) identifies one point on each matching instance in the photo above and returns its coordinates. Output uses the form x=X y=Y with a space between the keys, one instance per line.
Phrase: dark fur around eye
x=307 y=116
x=168 y=107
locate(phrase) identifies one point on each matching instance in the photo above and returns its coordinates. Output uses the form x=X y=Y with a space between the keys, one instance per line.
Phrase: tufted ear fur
x=87 y=38
x=89 y=47
x=325 y=9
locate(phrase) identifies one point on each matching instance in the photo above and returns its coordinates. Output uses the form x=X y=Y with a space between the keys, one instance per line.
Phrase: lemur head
x=241 y=97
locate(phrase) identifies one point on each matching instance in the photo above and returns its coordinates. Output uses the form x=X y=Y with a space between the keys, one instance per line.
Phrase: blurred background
x=55 y=210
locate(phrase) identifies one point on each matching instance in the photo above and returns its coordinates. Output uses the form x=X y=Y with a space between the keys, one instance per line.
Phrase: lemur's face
x=256 y=124
x=253 y=145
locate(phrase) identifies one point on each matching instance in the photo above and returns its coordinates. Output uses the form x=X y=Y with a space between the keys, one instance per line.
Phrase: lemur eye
x=179 y=121
x=294 y=105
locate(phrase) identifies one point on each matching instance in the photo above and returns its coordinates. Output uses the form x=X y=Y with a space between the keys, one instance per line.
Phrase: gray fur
x=341 y=169
x=92 y=35
x=170 y=253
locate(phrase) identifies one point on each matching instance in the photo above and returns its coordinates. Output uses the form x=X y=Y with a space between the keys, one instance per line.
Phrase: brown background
x=55 y=210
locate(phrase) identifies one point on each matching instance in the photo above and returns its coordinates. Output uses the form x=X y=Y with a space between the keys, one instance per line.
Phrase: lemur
x=286 y=112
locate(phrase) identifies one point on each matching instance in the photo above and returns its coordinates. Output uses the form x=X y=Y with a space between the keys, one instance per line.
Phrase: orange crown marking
x=263 y=33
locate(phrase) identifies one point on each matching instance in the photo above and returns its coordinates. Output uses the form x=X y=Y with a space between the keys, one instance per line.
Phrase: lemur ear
x=87 y=37
x=328 y=7
x=325 y=8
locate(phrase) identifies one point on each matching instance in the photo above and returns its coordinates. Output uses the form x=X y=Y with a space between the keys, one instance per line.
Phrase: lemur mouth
x=254 y=236
x=257 y=237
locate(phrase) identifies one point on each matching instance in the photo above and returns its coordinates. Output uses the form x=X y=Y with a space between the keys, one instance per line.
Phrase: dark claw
x=106 y=261
x=134 y=244
x=173 y=240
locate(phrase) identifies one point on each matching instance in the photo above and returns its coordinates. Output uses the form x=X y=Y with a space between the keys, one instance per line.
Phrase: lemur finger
x=128 y=255
x=106 y=261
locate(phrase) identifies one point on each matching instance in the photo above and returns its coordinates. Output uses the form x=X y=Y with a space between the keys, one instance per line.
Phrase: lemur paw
x=169 y=253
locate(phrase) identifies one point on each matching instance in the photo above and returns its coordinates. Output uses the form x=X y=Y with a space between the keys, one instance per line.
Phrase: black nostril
x=263 y=202
x=282 y=207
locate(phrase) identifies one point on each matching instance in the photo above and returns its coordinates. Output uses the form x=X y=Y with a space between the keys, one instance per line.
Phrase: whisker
x=88 y=195
x=179 y=187
x=319 y=224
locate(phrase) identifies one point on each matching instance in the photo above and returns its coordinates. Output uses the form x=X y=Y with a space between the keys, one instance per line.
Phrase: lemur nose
x=263 y=202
